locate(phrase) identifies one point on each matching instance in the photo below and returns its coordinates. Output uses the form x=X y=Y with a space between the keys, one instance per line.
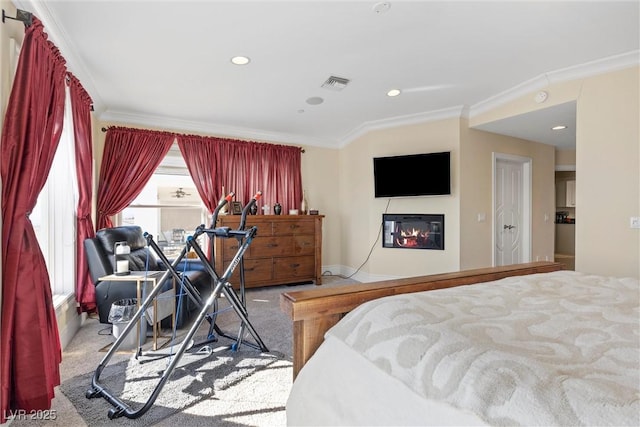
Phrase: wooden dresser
x=286 y=249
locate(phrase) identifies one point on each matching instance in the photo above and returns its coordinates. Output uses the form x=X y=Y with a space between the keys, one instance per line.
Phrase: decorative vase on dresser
x=304 y=206
x=286 y=249
x=225 y=208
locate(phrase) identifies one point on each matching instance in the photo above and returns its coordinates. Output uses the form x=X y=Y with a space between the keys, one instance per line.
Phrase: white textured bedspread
x=559 y=348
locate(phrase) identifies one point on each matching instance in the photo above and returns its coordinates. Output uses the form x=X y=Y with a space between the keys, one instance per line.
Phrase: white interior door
x=511 y=210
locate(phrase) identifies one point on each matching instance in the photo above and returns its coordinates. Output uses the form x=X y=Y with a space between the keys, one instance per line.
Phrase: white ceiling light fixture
x=240 y=60
x=382 y=7
x=394 y=92
x=559 y=127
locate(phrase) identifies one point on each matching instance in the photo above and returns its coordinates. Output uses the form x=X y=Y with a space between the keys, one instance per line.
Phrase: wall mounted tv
x=427 y=174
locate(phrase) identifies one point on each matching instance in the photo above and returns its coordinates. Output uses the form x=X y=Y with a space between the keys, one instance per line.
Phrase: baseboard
x=360 y=276
x=69 y=321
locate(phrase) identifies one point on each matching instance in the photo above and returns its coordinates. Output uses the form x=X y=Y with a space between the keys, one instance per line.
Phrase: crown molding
x=174 y=125
x=600 y=66
x=63 y=42
x=409 y=119
x=593 y=68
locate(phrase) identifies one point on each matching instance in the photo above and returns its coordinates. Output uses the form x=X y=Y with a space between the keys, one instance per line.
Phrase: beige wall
x=566 y=158
x=607 y=166
x=477 y=148
x=607 y=161
x=321 y=179
x=608 y=174
x=468 y=242
x=361 y=213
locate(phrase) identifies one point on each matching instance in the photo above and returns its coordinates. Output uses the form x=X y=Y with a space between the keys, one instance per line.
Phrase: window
x=169 y=207
x=54 y=216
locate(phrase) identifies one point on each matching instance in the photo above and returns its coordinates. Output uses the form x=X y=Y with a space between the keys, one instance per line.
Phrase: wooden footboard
x=315 y=311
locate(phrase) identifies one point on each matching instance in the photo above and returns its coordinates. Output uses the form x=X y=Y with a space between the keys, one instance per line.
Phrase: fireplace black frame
x=430 y=228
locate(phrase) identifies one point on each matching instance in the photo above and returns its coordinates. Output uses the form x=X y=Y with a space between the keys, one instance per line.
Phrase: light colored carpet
x=255 y=400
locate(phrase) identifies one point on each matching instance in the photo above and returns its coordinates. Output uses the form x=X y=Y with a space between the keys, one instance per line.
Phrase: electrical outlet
x=635 y=222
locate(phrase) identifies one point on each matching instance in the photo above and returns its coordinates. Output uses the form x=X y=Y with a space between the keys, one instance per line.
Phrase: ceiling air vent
x=335 y=83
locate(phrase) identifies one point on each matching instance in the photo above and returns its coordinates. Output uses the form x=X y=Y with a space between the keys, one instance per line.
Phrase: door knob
x=508 y=227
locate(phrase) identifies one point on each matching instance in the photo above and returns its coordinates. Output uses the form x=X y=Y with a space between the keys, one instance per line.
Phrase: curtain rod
x=106 y=129
x=21 y=15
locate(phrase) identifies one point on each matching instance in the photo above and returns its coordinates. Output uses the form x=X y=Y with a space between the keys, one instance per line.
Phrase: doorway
x=512 y=183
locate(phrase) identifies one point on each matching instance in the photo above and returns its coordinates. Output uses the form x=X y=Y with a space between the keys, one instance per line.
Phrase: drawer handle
x=272 y=245
x=295 y=265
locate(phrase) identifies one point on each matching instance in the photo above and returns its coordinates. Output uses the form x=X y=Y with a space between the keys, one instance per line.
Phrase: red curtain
x=130 y=158
x=244 y=167
x=200 y=155
x=281 y=171
x=30 y=353
x=81 y=106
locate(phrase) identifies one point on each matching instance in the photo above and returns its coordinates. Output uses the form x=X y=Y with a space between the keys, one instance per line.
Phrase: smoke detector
x=335 y=83
x=541 y=97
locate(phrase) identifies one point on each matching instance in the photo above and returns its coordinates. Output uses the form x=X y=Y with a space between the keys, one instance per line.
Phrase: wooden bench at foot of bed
x=315 y=311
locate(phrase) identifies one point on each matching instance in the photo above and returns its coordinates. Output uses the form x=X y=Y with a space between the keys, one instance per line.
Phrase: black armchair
x=101 y=261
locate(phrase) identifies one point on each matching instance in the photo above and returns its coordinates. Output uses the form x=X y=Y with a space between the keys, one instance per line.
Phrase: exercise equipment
x=221 y=286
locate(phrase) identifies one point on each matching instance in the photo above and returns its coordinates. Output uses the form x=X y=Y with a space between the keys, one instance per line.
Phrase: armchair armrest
x=99 y=264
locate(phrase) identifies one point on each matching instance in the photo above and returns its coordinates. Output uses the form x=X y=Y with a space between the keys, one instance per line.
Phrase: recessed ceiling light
x=382 y=7
x=394 y=92
x=560 y=127
x=240 y=60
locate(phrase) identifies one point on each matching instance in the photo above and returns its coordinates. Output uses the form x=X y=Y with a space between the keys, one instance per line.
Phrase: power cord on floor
x=372 y=246
x=105 y=331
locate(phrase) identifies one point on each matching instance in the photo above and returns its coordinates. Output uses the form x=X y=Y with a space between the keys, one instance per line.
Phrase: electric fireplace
x=413 y=231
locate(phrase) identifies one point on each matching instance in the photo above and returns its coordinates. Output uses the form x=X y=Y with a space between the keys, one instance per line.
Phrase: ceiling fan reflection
x=180 y=193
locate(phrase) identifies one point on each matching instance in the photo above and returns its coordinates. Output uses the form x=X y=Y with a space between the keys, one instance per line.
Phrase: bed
x=548 y=348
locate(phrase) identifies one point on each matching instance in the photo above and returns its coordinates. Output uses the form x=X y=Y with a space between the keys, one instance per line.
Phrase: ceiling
x=166 y=64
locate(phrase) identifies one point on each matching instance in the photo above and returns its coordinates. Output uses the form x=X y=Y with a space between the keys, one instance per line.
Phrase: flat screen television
x=427 y=174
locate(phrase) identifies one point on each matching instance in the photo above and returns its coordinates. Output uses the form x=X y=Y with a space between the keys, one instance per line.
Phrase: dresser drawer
x=304 y=245
x=292 y=267
x=256 y=271
x=266 y=247
x=229 y=248
x=293 y=227
x=265 y=228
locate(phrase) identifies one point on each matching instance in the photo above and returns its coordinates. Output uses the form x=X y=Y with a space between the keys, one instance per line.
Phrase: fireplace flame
x=412 y=238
